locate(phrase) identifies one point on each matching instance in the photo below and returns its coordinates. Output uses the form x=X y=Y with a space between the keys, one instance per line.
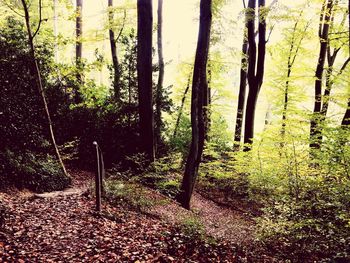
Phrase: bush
x=39 y=173
x=307 y=202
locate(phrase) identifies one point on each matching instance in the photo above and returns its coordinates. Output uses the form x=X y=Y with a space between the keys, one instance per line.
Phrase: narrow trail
x=63 y=227
x=218 y=222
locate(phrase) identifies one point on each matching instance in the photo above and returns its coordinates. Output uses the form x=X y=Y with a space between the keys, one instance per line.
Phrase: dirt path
x=62 y=227
x=218 y=222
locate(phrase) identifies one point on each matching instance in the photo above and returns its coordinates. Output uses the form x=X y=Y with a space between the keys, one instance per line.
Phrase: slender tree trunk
x=78 y=47
x=315 y=132
x=144 y=76
x=112 y=40
x=78 y=32
x=182 y=106
x=256 y=61
x=199 y=88
x=242 y=87
x=346 y=118
x=55 y=29
x=159 y=95
x=39 y=80
x=206 y=104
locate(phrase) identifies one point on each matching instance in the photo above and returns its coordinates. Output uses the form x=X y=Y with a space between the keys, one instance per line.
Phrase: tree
x=182 y=105
x=325 y=18
x=159 y=92
x=55 y=28
x=78 y=47
x=242 y=85
x=294 y=47
x=37 y=74
x=144 y=76
x=199 y=89
x=78 y=32
x=256 y=61
x=331 y=43
x=115 y=61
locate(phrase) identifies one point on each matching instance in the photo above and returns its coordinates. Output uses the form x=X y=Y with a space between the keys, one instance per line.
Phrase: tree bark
x=346 y=119
x=199 y=88
x=315 y=132
x=182 y=106
x=79 y=31
x=159 y=92
x=115 y=61
x=242 y=87
x=144 y=77
x=256 y=60
x=78 y=48
x=39 y=80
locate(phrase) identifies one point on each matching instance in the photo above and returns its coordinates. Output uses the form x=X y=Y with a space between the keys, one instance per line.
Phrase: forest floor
x=63 y=227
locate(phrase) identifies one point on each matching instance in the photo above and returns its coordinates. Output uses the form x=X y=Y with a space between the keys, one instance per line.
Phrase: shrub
x=40 y=173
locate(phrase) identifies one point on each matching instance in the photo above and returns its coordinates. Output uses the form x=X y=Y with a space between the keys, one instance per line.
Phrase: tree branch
x=121 y=30
x=40 y=19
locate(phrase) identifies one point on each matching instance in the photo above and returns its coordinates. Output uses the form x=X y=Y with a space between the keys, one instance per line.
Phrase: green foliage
x=131 y=194
x=218 y=174
x=306 y=206
x=193 y=228
x=40 y=173
x=170 y=188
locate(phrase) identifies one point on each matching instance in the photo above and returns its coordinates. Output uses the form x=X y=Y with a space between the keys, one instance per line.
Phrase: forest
x=174 y=131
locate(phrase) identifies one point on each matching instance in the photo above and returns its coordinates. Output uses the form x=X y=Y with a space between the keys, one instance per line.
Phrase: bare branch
x=121 y=30
x=12 y=9
x=40 y=19
x=269 y=35
x=344 y=66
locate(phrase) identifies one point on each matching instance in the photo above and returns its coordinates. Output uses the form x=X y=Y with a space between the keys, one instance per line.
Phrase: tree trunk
x=182 y=106
x=346 y=119
x=55 y=29
x=199 y=88
x=78 y=48
x=159 y=95
x=79 y=31
x=39 y=81
x=294 y=47
x=242 y=87
x=256 y=60
x=112 y=40
x=315 y=132
x=144 y=77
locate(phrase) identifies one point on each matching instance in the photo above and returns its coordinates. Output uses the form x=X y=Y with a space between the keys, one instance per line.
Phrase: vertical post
x=102 y=171
x=98 y=180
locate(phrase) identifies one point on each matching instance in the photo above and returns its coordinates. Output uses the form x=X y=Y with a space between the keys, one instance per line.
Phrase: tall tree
x=199 y=89
x=256 y=61
x=78 y=47
x=323 y=32
x=294 y=47
x=78 y=31
x=159 y=92
x=55 y=29
x=144 y=76
x=115 y=61
x=242 y=84
x=37 y=74
x=331 y=55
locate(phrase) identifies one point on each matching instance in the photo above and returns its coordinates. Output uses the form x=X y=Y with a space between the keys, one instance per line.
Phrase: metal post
x=102 y=171
x=98 y=180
